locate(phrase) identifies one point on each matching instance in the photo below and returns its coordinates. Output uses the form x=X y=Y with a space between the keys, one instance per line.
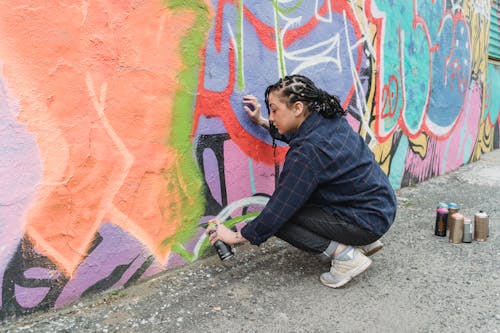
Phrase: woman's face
x=284 y=118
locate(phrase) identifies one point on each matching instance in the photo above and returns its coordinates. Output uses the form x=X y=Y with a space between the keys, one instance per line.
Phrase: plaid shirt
x=328 y=165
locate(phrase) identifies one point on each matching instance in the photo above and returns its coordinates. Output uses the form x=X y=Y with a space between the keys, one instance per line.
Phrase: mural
x=122 y=130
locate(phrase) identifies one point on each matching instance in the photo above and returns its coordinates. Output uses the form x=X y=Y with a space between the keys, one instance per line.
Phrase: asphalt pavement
x=417 y=283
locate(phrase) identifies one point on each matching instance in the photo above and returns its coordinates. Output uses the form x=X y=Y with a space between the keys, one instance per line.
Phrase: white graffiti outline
x=318 y=58
x=225 y=213
x=321 y=18
x=361 y=106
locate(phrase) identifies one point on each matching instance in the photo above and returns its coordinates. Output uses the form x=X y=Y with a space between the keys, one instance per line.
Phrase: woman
x=332 y=197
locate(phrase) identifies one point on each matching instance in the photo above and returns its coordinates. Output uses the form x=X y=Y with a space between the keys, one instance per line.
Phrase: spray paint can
x=452 y=208
x=450 y=224
x=456 y=226
x=440 y=205
x=223 y=250
x=481 y=226
x=441 y=222
x=467 y=231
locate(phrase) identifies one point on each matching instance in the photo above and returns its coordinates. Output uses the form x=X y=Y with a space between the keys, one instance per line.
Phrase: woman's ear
x=298 y=108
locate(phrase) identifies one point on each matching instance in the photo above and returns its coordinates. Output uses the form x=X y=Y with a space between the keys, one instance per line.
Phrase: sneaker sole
x=374 y=250
x=356 y=272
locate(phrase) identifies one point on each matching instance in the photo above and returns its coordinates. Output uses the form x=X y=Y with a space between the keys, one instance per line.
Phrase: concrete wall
x=121 y=126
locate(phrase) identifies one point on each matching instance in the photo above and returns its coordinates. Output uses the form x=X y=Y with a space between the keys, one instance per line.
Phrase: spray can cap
x=481 y=214
x=442 y=205
x=452 y=205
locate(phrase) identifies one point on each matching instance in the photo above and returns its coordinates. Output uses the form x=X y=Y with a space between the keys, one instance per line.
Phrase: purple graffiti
x=104 y=263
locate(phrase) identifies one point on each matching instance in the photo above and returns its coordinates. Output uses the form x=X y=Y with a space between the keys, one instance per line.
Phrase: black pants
x=312 y=230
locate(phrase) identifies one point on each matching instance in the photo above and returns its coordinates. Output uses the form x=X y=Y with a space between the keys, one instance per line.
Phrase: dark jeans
x=311 y=229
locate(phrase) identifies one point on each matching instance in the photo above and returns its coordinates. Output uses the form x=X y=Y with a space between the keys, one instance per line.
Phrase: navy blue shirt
x=330 y=166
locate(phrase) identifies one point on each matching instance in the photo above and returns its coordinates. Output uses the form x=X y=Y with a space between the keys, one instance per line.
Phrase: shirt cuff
x=249 y=234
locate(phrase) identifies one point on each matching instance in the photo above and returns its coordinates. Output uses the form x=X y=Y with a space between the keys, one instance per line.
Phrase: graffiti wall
x=122 y=129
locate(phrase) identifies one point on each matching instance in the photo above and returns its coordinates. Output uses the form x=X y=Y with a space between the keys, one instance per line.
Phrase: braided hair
x=300 y=88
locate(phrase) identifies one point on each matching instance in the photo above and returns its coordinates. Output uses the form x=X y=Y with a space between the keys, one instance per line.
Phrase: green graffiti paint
x=205 y=246
x=185 y=254
x=192 y=203
x=293 y=8
x=279 y=41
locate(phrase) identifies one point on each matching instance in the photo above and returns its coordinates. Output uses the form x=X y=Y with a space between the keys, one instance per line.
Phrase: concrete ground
x=417 y=283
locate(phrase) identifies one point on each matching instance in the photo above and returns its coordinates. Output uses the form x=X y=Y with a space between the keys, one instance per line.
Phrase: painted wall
x=121 y=125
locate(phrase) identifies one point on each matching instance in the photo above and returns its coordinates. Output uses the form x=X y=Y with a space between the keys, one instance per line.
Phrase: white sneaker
x=372 y=248
x=342 y=271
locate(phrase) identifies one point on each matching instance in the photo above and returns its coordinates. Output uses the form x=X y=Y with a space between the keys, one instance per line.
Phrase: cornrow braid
x=300 y=88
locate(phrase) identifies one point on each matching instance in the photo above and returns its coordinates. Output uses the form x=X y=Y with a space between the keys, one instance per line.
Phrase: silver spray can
x=467 y=230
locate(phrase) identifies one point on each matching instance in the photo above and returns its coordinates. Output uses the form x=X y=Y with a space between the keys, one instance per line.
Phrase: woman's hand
x=254 y=110
x=219 y=231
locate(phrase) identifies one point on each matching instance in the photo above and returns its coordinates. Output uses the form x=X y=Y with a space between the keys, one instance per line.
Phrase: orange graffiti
x=95 y=81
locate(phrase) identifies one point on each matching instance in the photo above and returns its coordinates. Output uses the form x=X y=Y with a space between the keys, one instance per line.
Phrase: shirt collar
x=307 y=125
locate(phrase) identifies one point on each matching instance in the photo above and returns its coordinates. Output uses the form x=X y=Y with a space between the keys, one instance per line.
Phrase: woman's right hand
x=253 y=109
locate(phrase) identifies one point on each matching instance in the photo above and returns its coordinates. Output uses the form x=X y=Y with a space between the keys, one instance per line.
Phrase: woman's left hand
x=223 y=233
